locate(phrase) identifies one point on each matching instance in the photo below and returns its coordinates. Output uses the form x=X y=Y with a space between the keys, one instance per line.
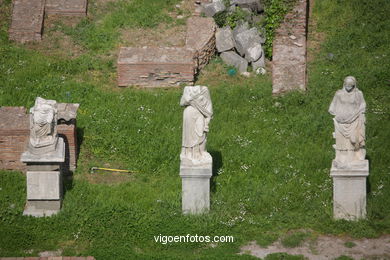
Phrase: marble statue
x=43 y=126
x=348 y=108
x=196 y=118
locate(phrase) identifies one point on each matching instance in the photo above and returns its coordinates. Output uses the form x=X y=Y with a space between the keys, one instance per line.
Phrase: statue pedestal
x=44 y=181
x=349 y=191
x=195 y=188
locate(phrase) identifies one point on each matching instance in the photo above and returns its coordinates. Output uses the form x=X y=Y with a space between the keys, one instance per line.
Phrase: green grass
x=294 y=239
x=349 y=244
x=272 y=154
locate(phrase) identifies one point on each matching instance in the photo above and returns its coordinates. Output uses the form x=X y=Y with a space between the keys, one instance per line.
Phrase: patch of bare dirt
x=327 y=247
x=162 y=36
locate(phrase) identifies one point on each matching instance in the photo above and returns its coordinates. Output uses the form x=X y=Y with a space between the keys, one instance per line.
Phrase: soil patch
x=327 y=247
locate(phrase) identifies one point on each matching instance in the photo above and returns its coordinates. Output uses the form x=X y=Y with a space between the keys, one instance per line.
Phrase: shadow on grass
x=217 y=164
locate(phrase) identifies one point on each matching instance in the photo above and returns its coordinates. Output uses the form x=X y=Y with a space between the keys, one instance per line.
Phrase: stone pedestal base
x=349 y=191
x=196 y=188
x=44 y=181
x=42 y=208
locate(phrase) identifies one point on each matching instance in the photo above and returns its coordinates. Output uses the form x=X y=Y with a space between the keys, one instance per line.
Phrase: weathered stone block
x=213 y=8
x=154 y=67
x=233 y=59
x=246 y=39
x=254 y=5
x=260 y=63
x=253 y=52
x=349 y=192
x=224 y=39
x=27 y=20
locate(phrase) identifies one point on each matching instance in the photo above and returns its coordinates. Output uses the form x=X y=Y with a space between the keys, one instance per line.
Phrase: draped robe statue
x=43 y=126
x=348 y=108
x=196 y=119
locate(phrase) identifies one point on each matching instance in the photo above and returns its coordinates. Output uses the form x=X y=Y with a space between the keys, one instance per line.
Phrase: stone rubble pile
x=240 y=46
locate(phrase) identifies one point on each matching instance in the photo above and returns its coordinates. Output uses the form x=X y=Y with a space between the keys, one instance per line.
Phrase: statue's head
x=349 y=83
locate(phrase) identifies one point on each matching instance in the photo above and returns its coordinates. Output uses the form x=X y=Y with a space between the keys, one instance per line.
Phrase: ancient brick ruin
x=289 y=51
x=157 y=67
x=28 y=15
x=151 y=66
x=15 y=132
x=27 y=20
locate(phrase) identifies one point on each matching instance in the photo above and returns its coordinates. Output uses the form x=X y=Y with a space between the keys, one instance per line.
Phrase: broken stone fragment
x=224 y=39
x=213 y=8
x=246 y=39
x=253 y=52
x=255 y=5
x=233 y=59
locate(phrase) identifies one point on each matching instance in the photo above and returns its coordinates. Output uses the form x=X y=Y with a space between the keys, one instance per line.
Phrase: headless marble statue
x=43 y=126
x=348 y=108
x=196 y=119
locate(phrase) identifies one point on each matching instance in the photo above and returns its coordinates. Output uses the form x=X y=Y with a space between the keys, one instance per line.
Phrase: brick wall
x=14 y=132
x=155 y=66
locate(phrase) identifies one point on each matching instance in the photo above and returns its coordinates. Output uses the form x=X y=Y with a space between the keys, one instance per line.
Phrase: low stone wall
x=14 y=136
x=289 y=51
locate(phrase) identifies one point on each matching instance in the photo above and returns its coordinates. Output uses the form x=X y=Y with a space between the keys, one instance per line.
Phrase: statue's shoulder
x=339 y=92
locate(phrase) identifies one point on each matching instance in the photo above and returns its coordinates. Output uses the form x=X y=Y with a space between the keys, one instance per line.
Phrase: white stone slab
x=56 y=156
x=44 y=185
x=349 y=192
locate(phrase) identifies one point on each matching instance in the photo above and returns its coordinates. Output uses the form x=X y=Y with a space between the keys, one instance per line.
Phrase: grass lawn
x=272 y=155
